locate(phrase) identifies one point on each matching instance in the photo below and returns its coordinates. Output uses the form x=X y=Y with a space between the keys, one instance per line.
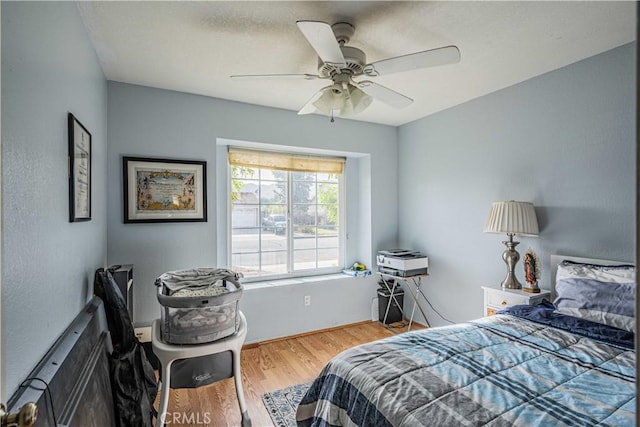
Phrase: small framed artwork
x=164 y=190
x=79 y=171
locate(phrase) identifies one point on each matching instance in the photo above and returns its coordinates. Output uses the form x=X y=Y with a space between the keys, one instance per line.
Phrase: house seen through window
x=285 y=214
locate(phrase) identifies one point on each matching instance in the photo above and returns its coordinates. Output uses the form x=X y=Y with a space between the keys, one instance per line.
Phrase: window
x=285 y=214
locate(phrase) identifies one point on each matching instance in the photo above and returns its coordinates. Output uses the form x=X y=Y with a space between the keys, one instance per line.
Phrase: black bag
x=134 y=388
x=133 y=382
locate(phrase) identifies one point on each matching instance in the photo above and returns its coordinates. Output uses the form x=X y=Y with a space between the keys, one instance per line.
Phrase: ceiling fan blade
x=384 y=94
x=309 y=108
x=413 y=61
x=276 y=76
x=323 y=40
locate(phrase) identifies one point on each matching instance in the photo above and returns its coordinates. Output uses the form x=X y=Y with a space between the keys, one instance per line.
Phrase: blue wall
x=564 y=141
x=49 y=68
x=159 y=123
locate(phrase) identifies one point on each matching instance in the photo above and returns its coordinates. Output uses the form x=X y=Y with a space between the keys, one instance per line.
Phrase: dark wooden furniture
x=123 y=275
x=71 y=383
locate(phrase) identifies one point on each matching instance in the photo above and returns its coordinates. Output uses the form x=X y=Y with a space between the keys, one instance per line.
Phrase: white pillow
x=602 y=294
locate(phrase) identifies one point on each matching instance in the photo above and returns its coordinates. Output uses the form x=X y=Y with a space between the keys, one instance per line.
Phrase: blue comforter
x=504 y=370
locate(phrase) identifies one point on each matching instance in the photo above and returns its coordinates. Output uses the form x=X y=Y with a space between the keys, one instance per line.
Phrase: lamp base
x=510 y=257
x=511 y=283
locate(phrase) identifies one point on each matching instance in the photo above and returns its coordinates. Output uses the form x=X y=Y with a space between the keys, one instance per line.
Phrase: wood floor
x=267 y=367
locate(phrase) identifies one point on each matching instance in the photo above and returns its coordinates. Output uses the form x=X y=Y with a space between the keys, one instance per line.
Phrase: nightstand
x=496 y=298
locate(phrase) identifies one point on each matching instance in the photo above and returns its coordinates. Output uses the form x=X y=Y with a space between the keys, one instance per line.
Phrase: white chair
x=168 y=353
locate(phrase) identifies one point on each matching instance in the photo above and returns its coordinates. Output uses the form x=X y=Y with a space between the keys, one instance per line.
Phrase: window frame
x=342 y=232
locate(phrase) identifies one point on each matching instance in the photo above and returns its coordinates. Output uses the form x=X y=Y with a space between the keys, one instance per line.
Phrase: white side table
x=496 y=298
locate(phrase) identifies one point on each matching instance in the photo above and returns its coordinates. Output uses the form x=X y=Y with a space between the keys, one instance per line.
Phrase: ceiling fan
x=345 y=65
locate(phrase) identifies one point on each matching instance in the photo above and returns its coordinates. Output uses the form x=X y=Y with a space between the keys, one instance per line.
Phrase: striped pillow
x=599 y=293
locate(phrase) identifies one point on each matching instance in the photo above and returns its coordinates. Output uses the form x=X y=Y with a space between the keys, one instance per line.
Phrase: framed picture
x=79 y=171
x=164 y=190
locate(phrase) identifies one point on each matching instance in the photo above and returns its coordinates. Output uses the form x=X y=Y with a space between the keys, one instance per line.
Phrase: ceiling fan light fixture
x=342 y=102
x=330 y=100
x=359 y=100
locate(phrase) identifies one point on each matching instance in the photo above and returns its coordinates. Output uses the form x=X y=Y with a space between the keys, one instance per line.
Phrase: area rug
x=282 y=404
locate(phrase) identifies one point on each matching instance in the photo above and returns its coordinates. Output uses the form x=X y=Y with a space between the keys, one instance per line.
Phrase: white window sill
x=296 y=281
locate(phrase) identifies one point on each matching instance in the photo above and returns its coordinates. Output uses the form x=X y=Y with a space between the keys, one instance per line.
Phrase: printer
x=402 y=262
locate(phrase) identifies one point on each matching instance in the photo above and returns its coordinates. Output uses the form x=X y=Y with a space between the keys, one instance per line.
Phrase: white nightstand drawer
x=505 y=299
x=496 y=298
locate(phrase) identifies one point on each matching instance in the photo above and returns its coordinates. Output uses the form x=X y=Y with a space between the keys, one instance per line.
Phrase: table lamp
x=512 y=218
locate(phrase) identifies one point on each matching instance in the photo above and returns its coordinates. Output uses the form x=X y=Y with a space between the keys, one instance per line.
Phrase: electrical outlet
x=143 y=334
x=307 y=300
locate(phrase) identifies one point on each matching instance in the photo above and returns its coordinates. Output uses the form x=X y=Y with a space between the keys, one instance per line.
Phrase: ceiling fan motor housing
x=354 y=58
x=343 y=32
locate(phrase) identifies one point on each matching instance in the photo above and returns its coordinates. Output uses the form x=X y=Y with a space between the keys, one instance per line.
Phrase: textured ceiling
x=194 y=47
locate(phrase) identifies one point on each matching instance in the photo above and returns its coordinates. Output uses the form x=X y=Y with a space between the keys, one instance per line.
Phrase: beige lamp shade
x=512 y=217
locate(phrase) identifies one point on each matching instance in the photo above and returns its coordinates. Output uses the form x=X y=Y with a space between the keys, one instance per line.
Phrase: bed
x=524 y=366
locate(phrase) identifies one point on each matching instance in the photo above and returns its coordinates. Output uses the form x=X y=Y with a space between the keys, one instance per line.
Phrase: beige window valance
x=285 y=161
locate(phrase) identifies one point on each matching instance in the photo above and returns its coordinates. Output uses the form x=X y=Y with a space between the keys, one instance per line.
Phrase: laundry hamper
x=199 y=305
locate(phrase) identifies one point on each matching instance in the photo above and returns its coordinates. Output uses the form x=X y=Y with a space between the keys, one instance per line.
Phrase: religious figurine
x=531 y=271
